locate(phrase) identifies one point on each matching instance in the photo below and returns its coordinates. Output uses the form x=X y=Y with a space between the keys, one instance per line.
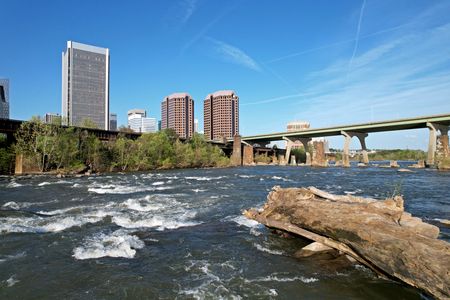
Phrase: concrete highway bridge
x=435 y=124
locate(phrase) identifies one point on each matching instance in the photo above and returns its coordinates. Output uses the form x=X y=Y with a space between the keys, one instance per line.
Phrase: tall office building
x=4 y=99
x=139 y=122
x=221 y=115
x=113 y=122
x=177 y=113
x=195 y=125
x=52 y=118
x=297 y=126
x=85 y=85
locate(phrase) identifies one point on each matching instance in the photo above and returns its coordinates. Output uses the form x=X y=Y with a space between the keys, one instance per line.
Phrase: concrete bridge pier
x=290 y=143
x=348 y=138
x=434 y=127
x=305 y=142
x=287 y=155
x=236 y=156
x=248 y=158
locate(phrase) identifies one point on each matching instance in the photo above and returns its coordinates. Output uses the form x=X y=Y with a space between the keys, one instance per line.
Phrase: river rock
x=393 y=164
x=377 y=233
x=420 y=165
x=312 y=249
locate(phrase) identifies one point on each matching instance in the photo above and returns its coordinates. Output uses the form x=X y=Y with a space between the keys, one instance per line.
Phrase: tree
x=66 y=152
x=88 y=123
x=125 y=129
x=36 y=140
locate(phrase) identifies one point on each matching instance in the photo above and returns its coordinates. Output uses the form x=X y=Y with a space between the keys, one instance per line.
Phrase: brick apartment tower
x=177 y=113
x=221 y=115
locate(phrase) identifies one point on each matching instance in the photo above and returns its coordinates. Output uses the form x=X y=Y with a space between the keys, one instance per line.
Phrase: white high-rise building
x=195 y=125
x=138 y=121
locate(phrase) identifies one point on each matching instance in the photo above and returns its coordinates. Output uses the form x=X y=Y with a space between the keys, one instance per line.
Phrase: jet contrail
x=358 y=30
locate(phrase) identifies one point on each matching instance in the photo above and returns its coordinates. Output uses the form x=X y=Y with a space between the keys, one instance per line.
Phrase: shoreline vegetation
x=69 y=150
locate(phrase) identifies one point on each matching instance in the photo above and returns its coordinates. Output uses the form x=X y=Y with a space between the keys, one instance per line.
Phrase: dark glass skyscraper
x=85 y=85
x=4 y=99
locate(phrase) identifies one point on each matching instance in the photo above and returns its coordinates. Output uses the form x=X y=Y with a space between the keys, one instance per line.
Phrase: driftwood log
x=378 y=234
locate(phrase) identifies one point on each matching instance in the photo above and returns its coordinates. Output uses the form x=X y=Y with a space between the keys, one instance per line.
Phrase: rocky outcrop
x=378 y=234
x=393 y=164
x=420 y=164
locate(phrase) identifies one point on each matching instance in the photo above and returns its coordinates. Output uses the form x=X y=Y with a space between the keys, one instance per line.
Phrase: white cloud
x=234 y=55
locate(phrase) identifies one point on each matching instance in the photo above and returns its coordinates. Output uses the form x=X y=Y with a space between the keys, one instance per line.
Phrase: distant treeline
x=398 y=154
x=394 y=154
x=68 y=149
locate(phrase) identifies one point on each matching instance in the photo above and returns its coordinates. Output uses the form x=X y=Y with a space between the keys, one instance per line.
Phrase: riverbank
x=42 y=148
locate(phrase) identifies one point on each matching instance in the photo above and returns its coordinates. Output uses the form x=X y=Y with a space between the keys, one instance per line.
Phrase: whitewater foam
x=11 y=281
x=158 y=222
x=243 y=221
x=121 y=189
x=246 y=176
x=204 y=178
x=14 y=184
x=264 y=249
x=142 y=204
x=274 y=277
x=43 y=225
x=11 y=205
x=117 y=244
x=4 y=258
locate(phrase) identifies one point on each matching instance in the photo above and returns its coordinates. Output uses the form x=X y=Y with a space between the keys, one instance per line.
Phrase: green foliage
x=125 y=129
x=88 y=123
x=300 y=155
x=396 y=189
x=260 y=158
x=443 y=163
x=6 y=156
x=398 y=154
x=164 y=150
x=53 y=147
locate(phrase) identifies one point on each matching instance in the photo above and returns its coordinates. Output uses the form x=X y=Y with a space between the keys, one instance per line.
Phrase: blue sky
x=327 y=62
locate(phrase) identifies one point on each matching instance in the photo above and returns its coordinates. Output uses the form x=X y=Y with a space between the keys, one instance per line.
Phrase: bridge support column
x=348 y=138
x=236 y=156
x=248 y=158
x=18 y=168
x=287 y=155
x=432 y=142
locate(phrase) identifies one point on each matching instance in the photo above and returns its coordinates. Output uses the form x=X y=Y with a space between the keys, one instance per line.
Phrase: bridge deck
x=390 y=125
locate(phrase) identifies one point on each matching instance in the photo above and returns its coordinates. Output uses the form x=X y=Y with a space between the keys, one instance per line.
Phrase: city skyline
x=334 y=63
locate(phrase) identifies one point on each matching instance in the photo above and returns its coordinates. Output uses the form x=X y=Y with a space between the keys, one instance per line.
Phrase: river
x=180 y=234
